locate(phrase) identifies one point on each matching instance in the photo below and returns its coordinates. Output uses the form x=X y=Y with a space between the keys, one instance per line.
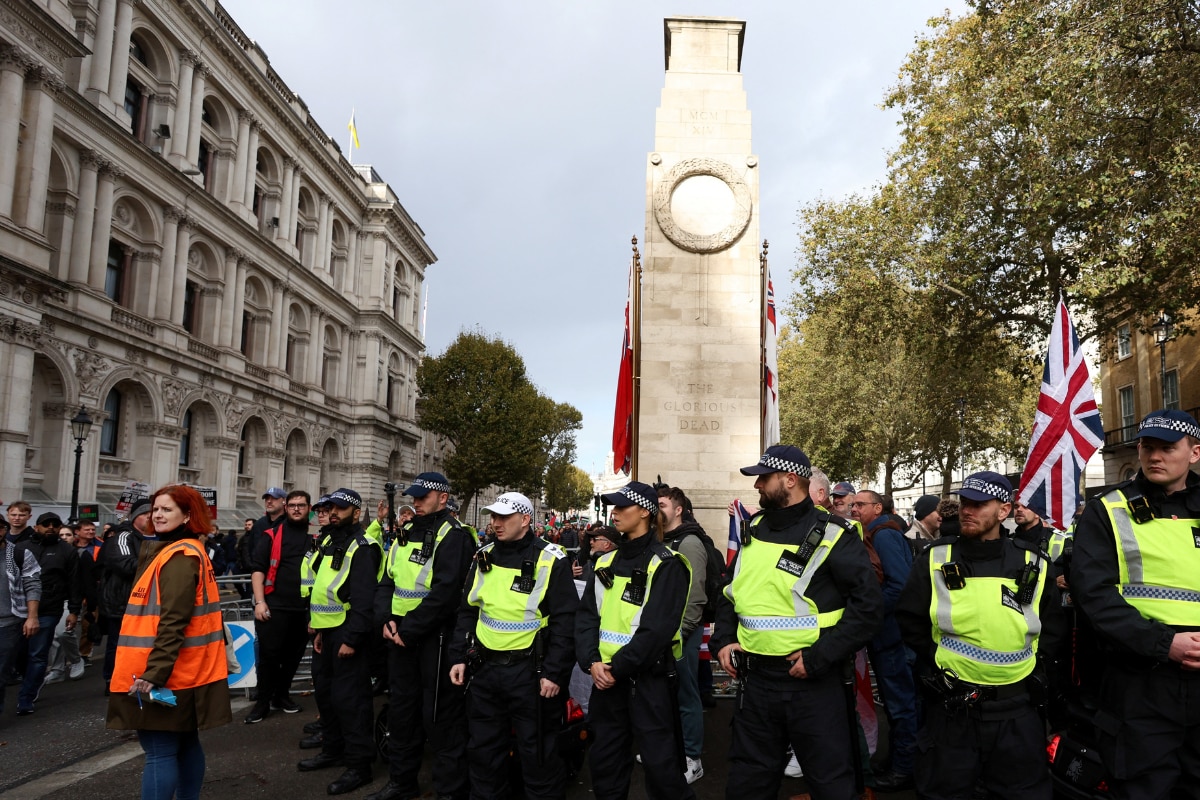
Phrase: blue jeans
x=899 y=693
x=174 y=765
x=691 y=711
x=35 y=667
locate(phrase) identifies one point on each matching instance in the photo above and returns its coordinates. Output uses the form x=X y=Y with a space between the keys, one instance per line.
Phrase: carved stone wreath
x=694 y=242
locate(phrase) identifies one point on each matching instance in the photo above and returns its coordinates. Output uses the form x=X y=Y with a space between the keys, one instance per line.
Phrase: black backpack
x=716 y=575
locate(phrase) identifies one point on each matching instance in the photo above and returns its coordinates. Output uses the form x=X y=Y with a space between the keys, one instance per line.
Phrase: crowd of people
x=980 y=623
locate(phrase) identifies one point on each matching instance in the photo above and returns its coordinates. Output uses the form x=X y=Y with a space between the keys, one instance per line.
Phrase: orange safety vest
x=202 y=656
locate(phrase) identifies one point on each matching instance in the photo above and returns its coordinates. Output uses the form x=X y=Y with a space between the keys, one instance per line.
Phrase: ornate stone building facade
x=187 y=254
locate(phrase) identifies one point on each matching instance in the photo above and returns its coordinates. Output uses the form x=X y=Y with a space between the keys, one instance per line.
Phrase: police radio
x=1028 y=583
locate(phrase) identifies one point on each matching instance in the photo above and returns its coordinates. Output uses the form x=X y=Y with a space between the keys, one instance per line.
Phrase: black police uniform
x=504 y=691
x=343 y=685
x=996 y=739
x=413 y=674
x=775 y=709
x=1150 y=705
x=642 y=707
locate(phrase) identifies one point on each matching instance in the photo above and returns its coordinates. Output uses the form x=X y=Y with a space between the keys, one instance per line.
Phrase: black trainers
x=285 y=704
x=257 y=714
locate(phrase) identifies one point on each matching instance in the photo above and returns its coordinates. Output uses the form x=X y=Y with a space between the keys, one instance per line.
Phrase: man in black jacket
x=416 y=607
x=60 y=589
x=796 y=558
x=280 y=610
x=518 y=613
x=1136 y=576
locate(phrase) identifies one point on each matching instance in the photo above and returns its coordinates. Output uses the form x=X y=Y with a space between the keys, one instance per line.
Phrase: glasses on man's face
x=861 y=504
x=297 y=506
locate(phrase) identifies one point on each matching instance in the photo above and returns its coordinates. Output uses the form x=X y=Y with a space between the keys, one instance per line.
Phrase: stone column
x=239 y=305
x=102 y=227
x=183 y=102
x=316 y=347
x=183 y=243
x=120 y=52
x=343 y=380
x=285 y=200
x=194 y=118
x=349 y=274
x=18 y=338
x=273 y=339
x=294 y=206
x=166 y=282
x=33 y=174
x=371 y=379
x=12 y=85
x=378 y=275
x=102 y=48
x=321 y=248
x=238 y=189
x=225 y=331
x=251 y=165
x=280 y=338
x=85 y=214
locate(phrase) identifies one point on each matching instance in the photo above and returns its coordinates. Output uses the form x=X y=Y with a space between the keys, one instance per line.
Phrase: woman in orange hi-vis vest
x=172 y=639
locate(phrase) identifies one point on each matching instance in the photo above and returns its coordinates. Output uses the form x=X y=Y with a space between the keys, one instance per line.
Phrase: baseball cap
x=781 y=458
x=345 y=498
x=984 y=486
x=842 y=488
x=428 y=482
x=322 y=501
x=51 y=519
x=634 y=493
x=275 y=492
x=605 y=532
x=1168 y=425
x=511 y=503
x=926 y=504
x=139 y=508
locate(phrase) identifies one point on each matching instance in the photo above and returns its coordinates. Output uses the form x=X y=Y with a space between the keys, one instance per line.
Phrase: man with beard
x=343 y=574
x=803 y=599
x=684 y=535
x=518 y=612
x=886 y=651
x=980 y=611
x=1033 y=529
x=416 y=605
x=280 y=610
x=60 y=589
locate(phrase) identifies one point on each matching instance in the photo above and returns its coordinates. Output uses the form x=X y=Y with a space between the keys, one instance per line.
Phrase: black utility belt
x=505 y=657
x=754 y=661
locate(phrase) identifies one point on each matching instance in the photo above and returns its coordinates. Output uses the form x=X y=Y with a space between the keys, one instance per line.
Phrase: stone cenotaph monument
x=699 y=410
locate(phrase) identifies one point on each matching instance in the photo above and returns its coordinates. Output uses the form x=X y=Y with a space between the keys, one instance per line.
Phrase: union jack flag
x=735 y=526
x=1066 y=429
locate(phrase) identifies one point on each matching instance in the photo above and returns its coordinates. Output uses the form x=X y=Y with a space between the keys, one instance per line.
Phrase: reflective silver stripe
x=477 y=585
x=779 y=623
x=135 y=641
x=204 y=638
x=601 y=563
x=1144 y=592
x=615 y=637
x=509 y=626
x=800 y=587
x=410 y=593
x=207 y=608
x=939 y=556
x=983 y=655
x=1125 y=536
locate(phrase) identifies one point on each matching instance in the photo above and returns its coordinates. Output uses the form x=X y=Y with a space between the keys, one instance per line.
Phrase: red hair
x=191 y=504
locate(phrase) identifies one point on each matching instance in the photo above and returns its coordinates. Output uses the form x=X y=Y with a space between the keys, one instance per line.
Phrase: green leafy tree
x=504 y=432
x=568 y=487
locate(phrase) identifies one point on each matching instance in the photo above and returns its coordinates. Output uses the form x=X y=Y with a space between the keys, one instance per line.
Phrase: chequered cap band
x=986 y=487
x=432 y=486
x=1177 y=425
x=518 y=506
x=645 y=503
x=783 y=465
x=345 y=498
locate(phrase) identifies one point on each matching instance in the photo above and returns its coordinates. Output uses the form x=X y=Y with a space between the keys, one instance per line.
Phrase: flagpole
x=636 y=336
x=762 y=348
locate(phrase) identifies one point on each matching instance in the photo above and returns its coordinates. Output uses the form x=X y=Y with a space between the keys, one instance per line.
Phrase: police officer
x=802 y=601
x=627 y=638
x=343 y=573
x=515 y=633
x=416 y=605
x=995 y=611
x=1136 y=576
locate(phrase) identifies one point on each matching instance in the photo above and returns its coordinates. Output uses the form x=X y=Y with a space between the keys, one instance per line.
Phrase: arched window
x=185 y=441
x=111 y=426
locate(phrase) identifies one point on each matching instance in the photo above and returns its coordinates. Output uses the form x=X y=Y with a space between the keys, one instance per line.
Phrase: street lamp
x=1164 y=330
x=81 y=425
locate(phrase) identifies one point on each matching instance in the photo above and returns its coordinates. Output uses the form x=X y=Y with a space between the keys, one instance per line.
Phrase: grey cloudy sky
x=516 y=135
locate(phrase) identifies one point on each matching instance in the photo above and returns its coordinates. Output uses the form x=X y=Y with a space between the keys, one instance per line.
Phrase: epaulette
x=661 y=550
x=549 y=547
x=1030 y=546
